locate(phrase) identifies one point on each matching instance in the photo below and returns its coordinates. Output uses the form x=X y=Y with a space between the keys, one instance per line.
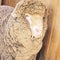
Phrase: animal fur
x=16 y=36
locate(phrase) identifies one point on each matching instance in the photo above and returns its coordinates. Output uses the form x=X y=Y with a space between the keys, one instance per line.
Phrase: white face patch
x=36 y=25
x=28 y=18
x=36 y=31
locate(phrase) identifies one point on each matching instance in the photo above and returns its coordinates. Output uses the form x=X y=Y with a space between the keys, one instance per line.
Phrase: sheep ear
x=28 y=18
x=16 y=7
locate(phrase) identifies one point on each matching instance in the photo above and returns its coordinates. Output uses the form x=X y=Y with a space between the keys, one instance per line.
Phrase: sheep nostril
x=44 y=18
x=33 y=36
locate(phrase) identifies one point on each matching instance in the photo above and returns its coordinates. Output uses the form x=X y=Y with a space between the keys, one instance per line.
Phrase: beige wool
x=16 y=41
